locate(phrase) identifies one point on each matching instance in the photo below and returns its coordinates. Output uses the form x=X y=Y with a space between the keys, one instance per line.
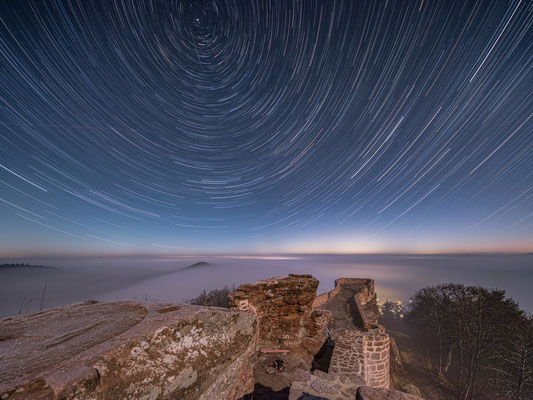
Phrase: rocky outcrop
x=127 y=350
x=369 y=393
x=285 y=317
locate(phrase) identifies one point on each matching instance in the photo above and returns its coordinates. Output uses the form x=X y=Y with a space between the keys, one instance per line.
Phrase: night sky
x=138 y=126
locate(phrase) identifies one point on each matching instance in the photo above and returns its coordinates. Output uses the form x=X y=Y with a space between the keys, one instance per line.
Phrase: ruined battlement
x=361 y=282
x=361 y=344
x=293 y=324
x=286 y=319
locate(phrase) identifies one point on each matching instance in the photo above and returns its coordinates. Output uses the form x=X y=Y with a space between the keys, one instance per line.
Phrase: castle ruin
x=278 y=335
x=293 y=324
x=361 y=344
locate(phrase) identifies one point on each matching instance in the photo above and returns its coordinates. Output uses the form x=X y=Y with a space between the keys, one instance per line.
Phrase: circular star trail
x=231 y=125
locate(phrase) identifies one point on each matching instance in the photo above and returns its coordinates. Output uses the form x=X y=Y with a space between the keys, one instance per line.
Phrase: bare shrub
x=214 y=298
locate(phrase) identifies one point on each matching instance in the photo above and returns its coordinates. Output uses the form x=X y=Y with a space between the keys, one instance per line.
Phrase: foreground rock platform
x=127 y=350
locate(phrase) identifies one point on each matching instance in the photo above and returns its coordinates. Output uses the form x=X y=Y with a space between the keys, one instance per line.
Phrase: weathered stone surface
x=369 y=393
x=285 y=316
x=127 y=350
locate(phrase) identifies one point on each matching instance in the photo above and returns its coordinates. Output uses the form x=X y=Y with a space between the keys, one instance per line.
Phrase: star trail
x=265 y=126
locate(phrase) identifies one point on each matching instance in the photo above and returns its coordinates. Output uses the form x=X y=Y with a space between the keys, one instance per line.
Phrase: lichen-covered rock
x=369 y=393
x=285 y=316
x=127 y=350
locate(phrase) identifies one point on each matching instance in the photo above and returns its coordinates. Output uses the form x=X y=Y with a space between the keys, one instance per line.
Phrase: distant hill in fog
x=21 y=266
x=198 y=265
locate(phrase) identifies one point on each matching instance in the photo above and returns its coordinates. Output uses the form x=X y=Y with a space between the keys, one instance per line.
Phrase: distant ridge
x=17 y=266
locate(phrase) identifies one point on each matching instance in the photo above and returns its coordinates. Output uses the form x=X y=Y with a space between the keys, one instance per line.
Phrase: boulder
x=127 y=350
x=321 y=385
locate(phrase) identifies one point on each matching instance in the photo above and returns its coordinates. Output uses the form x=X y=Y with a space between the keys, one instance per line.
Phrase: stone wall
x=323 y=298
x=376 y=350
x=364 y=355
x=348 y=356
x=285 y=317
x=365 y=310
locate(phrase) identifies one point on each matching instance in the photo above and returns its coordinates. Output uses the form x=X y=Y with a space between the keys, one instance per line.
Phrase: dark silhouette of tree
x=513 y=366
x=430 y=312
x=465 y=330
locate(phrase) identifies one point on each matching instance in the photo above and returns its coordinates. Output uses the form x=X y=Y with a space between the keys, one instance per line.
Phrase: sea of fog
x=167 y=278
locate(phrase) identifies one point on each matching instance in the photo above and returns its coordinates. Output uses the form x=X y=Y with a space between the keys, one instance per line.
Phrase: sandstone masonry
x=286 y=320
x=362 y=348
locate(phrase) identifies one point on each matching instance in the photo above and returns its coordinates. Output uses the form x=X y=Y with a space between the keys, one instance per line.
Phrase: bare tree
x=513 y=367
x=42 y=296
x=25 y=304
x=215 y=298
x=22 y=304
x=485 y=316
x=465 y=326
x=430 y=309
